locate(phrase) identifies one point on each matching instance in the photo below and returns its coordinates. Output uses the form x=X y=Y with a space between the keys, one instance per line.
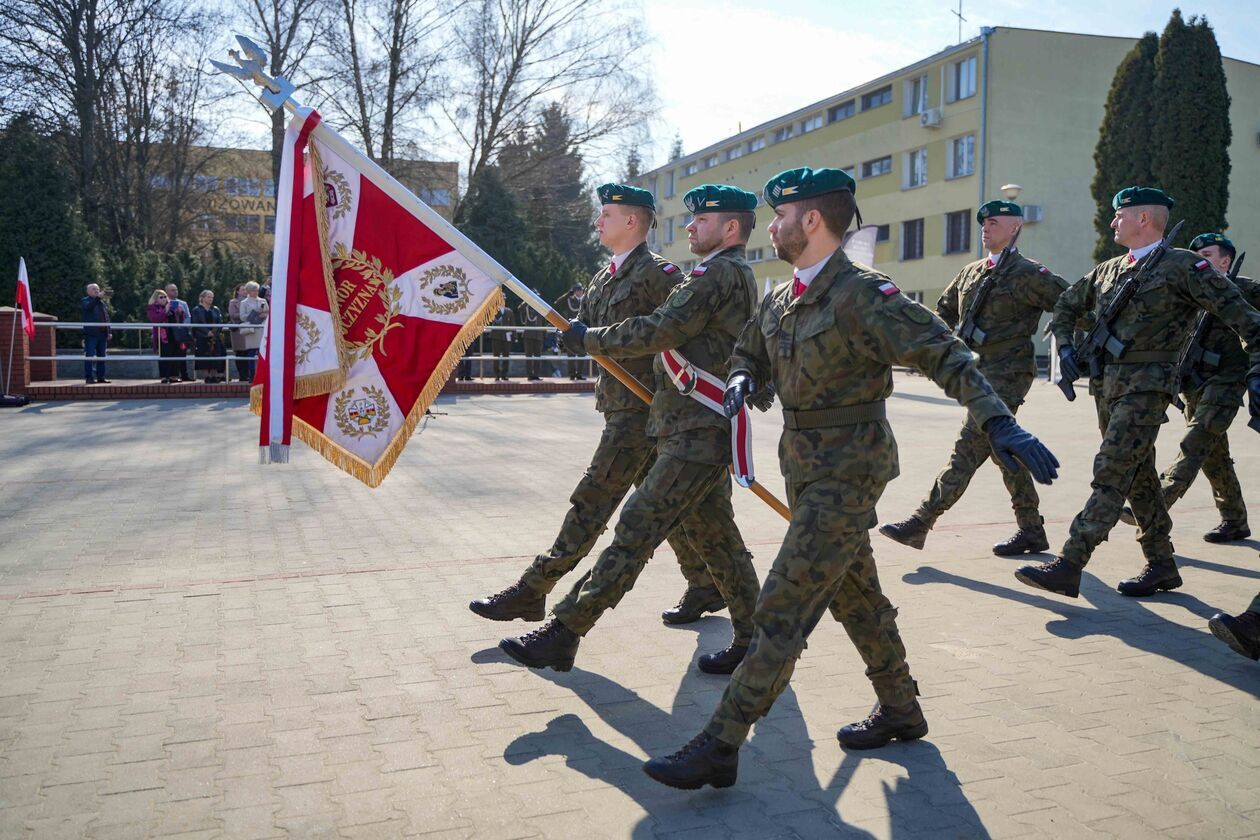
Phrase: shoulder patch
x=888 y=287
x=1044 y=270
x=699 y=270
x=1202 y=264
x=669 y=268
x=917 y=313
x=679 y=298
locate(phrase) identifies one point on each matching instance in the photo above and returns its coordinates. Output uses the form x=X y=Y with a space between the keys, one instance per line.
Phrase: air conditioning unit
x=931 y=118
x=1033 y=213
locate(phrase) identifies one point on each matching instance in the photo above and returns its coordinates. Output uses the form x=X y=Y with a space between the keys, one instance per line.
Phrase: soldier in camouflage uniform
x=1134 y=391
x=1210 y=408
x=635 y=283
x=1241 y=632
x=569 y=305
x=532 y=335
x=689 y=485
x=1019 y=291
x=501 y=343
x=827 y=342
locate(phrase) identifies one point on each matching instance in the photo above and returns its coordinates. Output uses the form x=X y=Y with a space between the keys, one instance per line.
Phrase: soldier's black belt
x=1004 y=344
x=843 y=415
x=1145 y=357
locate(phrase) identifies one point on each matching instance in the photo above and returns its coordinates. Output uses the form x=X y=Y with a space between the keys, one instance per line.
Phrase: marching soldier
x=501 y=343
x=993 y=305
x=689 y=484
x=532 y=336
x=1133 y=392
x=826 y=342
x=1241 y=632
x=569 y=305
x=1213 y=392
x=634 y=283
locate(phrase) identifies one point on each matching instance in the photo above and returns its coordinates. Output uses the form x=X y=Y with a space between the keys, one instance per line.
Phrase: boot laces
x=547 y=630
x=691 y=746
x=511 y=592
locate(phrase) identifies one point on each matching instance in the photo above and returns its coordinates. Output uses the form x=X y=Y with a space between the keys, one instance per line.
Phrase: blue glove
x=1253 y=398
x=738 y=387
x=574 y=337
x=1014 y=446
x=1069 y=364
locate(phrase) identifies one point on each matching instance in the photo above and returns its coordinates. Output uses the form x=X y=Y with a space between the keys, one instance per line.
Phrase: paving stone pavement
x=196 y=646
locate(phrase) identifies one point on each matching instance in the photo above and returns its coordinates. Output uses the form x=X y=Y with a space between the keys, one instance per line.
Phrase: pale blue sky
x=800 y=51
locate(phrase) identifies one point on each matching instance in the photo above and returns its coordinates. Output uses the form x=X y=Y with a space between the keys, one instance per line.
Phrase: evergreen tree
x=1190 y=140
x=676 y=149
x=490 y=216
x=41 y=221
x=1123 y=155
x=634 y=164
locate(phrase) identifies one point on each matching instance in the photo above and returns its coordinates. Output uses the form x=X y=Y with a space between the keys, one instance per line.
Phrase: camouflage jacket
x=642 y=283
x=1228 y=382
x=1010 y=312
x=1159 y=318
x=702 y=318
x=835 y=346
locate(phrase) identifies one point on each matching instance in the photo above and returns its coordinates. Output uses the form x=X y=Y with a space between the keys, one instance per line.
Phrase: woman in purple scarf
x=170 y=352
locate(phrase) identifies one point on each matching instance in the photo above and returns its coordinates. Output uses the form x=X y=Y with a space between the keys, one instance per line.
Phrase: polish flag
x=24 y=300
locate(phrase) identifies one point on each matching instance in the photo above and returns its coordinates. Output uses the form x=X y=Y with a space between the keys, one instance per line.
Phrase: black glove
x=762 y=398
x=1069 y=364
x=739 y=386
x=1253 y=396
x=1014 y=446
x=574 y=337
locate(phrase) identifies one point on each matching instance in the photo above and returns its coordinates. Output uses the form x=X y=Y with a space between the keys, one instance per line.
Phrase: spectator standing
x=158 y=313
x=95 y=311
x=208 y=340
x=238 y=338
x=253 y=311
x=179 y=313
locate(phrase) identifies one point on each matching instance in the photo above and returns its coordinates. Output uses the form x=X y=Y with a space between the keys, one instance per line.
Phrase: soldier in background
x=501 y=343
x=1210 y=408
x=569 y=305
x=532 y=334
x=827 y=341
x=1133 y=392
x=999 y=330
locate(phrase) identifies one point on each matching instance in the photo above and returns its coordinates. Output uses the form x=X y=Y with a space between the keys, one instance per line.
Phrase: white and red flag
x=24 y=299
x=405 y=302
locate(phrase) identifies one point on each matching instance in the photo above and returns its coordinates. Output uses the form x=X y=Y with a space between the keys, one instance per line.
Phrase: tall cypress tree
x=1190 y=141
x=1122 y=157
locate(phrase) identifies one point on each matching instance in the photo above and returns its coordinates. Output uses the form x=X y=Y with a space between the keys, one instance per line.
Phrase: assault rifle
x=1194 y=359
x=1100 y=339
x=967 y=329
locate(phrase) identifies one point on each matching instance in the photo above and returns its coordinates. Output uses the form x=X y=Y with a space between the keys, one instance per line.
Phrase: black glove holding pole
x=574 y=337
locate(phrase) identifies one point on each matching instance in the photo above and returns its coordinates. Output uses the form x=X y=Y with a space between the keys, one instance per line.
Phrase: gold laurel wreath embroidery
x=343 y=420
x=308 y=337
x=381 y=280
x=461 y=282
x=345 y=198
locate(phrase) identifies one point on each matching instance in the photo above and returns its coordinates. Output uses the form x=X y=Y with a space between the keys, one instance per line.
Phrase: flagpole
x=8 y=378
x=278 y=92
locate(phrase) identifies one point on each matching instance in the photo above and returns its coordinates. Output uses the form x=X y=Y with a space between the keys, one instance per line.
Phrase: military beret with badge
x=1203 y=240
x=802 y=183
x=626 y=194
x=999 y=208
x=719 y=198
x=1141 y=197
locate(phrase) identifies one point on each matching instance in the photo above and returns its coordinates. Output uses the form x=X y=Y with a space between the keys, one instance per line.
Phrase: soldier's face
x=614 y=226
x=787 y=235
x=1126 y=224
x=996 y=232
x=704 y=234
x=1217 y=256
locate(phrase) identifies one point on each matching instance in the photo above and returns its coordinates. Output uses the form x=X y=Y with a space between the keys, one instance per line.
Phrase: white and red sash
x=707 y=389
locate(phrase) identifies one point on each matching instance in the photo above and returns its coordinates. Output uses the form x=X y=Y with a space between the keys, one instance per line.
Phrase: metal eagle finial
x=276 y=90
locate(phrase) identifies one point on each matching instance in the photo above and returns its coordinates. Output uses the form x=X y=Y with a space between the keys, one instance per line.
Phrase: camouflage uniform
x=1133 y=394
x=570 y=307
x=1210 y=409
x=532 y=338
x=829 y=355
x=689 y=485
x=625 y=452
x=1009 y=318
x=501 y=343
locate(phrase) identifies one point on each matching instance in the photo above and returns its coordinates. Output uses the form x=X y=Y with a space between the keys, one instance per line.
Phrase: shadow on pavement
x=1126 y=619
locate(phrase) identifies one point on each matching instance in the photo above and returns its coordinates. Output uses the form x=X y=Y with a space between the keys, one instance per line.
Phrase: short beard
x=792 y=242
x=700 y=248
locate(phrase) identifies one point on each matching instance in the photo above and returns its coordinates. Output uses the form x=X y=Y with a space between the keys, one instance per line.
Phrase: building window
x=269 y=224
x=879 y=166
x=239 y=223
x=669 y=231
x=756 y=254
x=734 y=152
x=917 y=297
x=840 y=112
x=915 y=172
x=669 y=184
x=757 y=143
x=269 y=188
x=960 y=79
x=912 y=240
x=881 y=233
x=711 y=161
x=811 y=123
x=691 y=169
x=436 y=197
x=960 y=156
x=847 y=170
x=652 y=238
x=915 y=101
x=781 y=134
x=876 y=98
x=958 y=232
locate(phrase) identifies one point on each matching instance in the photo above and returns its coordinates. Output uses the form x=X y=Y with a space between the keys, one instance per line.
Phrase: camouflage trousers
x=1125 y=467
x=971 y=449
x=694 y=498
x=825 y=563
x=622 y=458
x=1206 y=446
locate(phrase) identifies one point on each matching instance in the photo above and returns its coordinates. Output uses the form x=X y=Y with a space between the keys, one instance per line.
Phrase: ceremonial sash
x=707 y=389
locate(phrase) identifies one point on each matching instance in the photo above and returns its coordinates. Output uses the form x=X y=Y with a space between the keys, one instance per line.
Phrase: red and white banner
x=404 y=304
x=707 y=389
x=24 y=299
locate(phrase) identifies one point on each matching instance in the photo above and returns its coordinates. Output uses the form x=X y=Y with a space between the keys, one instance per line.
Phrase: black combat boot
x=724 y=661
x=1228 y=531
x=551 y=646
x=912 y=532
x=703 y=761
x=1055 y=576
x=1150 y=580
x=1126 y=516
x=1026 y=541
x=1241 y=632
x=905 y=723
x=517 y=601
x=693 y=604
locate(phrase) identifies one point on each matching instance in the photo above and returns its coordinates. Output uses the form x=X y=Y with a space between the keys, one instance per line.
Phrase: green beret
x=797 y=184
x=719 y=198
x=626 y=194
x=1205 y=239
x=998 y=208
x=1142 y=196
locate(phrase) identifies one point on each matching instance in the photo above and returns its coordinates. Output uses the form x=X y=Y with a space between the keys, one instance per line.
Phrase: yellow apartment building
x=932 y=141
